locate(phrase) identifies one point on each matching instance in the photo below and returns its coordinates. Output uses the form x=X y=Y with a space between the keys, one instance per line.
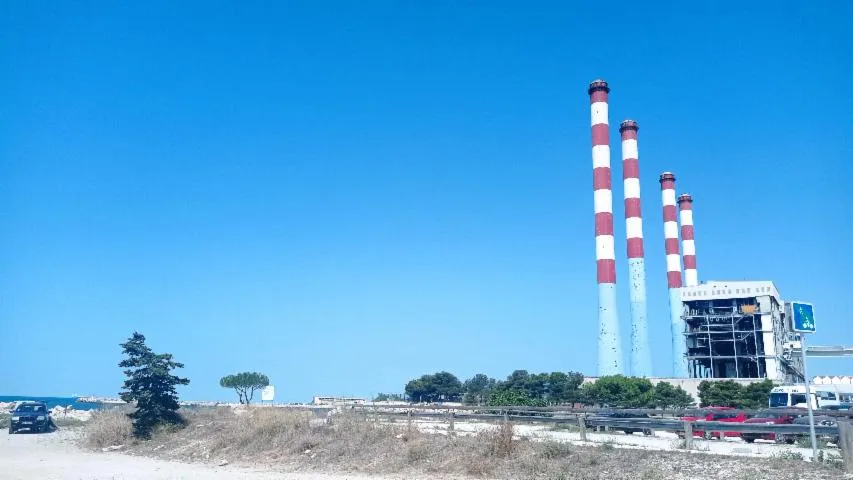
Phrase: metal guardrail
x=591 y=420
x=525 y=410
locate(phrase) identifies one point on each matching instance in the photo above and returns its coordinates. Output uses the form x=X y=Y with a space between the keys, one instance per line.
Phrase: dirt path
x=56 y=457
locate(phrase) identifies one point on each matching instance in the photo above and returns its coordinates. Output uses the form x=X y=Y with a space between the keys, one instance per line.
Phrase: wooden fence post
x=845 y=442
x=582 y=426
x=688 y=435
x=451 y=430
x=409 y=420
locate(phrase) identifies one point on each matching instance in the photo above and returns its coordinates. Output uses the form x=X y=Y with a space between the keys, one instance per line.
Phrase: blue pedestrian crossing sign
x=802 y=317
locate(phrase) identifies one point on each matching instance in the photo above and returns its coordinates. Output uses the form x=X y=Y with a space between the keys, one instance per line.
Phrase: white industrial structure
x=739 y=329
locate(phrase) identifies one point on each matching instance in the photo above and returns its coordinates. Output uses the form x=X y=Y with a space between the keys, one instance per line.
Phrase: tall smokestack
x=609 y=345
x=673 y=274
x=641 y=359
x=685 y=206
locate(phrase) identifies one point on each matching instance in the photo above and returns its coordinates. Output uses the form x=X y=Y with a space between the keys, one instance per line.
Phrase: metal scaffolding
x=726 y=339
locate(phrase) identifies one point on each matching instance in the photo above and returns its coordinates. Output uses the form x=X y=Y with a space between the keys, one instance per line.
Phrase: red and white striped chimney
x=670 y=230
x=673 y=275
x=609 y=343
x=641 y=357
x=685 y=205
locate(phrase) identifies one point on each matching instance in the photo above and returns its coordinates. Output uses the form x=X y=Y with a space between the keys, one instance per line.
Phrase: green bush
x=728 y=393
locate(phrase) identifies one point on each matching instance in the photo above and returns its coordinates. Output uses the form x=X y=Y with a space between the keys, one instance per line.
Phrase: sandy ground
x=55 y=456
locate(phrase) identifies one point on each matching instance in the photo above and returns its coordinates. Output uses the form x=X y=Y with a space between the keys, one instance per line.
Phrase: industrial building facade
x=739 y=330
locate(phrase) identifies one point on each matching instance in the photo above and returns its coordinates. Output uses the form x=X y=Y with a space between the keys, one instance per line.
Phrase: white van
x=792 y=396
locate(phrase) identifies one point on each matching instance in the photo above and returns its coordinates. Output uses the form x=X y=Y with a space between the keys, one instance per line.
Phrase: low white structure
x=339 y=401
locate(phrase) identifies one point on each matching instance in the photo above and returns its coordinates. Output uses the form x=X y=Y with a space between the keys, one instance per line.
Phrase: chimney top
x=629 y=124
x=667 y=176
x=597 y=85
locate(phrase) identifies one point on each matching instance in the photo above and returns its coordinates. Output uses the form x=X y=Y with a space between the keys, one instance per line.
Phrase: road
x=55 y=456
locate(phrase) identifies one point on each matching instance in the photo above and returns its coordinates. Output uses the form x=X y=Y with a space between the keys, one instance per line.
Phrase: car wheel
x=781 y=438
x=749 y=440
x=708 y=436
x=790 y=441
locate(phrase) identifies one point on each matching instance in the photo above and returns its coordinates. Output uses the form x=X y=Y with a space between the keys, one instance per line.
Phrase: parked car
x=715 y=414
x=727 y=416
x=770 y=416
x=31 y=416
x=819 y=420
x=623 y=415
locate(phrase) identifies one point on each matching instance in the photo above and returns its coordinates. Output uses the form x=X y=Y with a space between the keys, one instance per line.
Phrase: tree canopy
x=522 y=388
x=478 y=389
x=388 y=397
x=245 y=384
x=150 y=385
x=519 y=388
x=728 y=393
x=535 y=389
x=620 y=391
x=437 y=387
x=665 y=395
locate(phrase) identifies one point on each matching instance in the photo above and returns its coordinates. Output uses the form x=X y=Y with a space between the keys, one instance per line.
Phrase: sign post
x=268 y=394
x=802 y=321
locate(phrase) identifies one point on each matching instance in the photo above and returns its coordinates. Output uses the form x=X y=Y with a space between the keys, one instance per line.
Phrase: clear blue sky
x=345 y=197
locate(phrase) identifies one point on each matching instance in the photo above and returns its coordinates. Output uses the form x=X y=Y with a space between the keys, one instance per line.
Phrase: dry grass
x=293 y=441
x=107 y=428
x=500 y=442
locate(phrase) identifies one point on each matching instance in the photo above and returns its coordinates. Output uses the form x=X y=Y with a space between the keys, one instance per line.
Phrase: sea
x=55 y=401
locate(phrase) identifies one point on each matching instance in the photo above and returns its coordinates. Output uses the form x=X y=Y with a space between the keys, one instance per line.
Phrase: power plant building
x=735 y=330
x=739 y=330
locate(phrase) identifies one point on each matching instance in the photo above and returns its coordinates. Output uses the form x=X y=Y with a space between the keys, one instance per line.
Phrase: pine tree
x=150 y=385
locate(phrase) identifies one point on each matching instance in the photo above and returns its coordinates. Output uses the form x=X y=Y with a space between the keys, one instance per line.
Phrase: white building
x=739 y=329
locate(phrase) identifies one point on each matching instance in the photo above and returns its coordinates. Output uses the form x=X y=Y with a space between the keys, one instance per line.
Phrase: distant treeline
x=522 y=388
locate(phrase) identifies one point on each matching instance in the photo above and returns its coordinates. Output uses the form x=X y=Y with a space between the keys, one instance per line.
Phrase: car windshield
x=779 y=399
x=29 y=408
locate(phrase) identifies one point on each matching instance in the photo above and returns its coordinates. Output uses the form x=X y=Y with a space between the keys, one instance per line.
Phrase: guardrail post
x=582 y=427
x=506 y=417
x=845 y=442
x=451 y=430
x=688 y=435
x=409 y=420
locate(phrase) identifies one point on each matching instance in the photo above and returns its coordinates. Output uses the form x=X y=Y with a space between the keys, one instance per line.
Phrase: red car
x=770 y=416
x=717 y=414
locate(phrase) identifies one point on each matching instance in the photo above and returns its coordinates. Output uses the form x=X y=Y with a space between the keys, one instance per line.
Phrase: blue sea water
x=54 y=401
